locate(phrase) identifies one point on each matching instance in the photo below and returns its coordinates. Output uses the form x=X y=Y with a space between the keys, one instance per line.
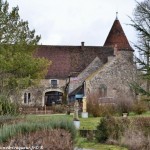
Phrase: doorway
x=53 y=97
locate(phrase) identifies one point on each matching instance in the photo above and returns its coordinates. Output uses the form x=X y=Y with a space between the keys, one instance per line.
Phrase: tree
x=141 y=23
x=19 y=68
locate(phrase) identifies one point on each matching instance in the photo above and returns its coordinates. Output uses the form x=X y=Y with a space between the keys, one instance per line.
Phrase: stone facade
x=116 y=76
x=38 y=93
x=75 y=70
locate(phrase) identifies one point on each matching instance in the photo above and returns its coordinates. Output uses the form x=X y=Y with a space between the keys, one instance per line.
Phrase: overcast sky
x=69 y=22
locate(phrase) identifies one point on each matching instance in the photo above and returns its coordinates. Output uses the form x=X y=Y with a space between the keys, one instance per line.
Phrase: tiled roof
x=117 y=37
x=68 y=60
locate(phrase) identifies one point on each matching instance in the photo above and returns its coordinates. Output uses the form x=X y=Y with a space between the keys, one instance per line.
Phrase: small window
x=54 y=83
x=27 y=98
x=103 y=90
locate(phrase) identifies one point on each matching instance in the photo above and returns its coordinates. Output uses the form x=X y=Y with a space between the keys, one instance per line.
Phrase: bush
x=135 y=139
x=137 y=136
x=102 y=133
x=97 y=109
x=111 y=128
x=123 y=106
x=143 y=124
x=139 y=108
x=58 y=108
x=56 y=139
x=7 y=107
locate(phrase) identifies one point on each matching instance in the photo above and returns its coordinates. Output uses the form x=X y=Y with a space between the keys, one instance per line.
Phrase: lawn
x=83 y=143
x=87 y=124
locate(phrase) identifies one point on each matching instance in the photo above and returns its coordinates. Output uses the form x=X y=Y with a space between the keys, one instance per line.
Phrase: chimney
x=82 y=45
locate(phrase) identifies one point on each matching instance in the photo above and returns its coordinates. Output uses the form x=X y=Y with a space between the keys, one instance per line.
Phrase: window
x=103 y=90
x=54 y=83
x=27 y=97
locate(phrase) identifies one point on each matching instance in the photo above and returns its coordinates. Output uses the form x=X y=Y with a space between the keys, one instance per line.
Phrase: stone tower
x=118 y=40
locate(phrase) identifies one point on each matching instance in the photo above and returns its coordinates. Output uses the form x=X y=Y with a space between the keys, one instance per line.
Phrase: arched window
x=103 y=90
x=27 y=97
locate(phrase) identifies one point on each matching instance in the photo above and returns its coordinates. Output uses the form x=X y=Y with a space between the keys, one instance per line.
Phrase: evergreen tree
x=19 y=68
x=141 y=23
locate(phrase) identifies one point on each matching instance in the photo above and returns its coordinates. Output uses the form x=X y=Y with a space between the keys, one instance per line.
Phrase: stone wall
x=116 y=75
x=78 y=81
x=37 y=93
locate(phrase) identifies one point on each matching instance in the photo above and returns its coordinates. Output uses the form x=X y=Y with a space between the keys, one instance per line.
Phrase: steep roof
x=117 y=37
x=90 y=69
x=68 y=60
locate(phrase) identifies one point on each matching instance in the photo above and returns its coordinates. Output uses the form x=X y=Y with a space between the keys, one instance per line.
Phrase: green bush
x=111 y=128
x=8 y=107
x=102 y=132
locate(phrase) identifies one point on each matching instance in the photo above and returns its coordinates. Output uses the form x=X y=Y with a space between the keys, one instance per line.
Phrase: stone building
x=80 y=70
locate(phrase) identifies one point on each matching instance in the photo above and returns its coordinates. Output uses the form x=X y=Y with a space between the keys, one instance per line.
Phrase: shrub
x=97 y=109
x=143 y=124
x=93 y=105
x=135 y=139
x=111 y=128
x=7 y=107
x=139 y=108
x=56 y=139
x=137 y=136
x=123 y=106
x=58 y=108
x=102 y=132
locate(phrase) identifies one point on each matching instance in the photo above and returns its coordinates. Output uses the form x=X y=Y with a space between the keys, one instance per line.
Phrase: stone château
x=80 y=70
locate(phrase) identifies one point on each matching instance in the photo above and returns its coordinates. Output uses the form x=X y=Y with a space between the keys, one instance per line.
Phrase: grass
x=146 y=114
x=83 y=143
x=90 y=123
